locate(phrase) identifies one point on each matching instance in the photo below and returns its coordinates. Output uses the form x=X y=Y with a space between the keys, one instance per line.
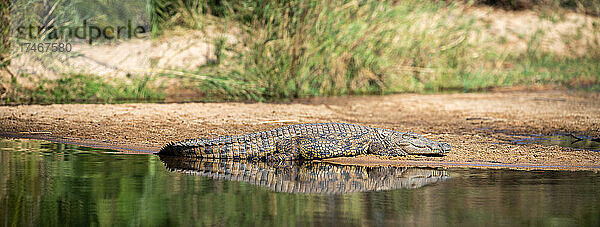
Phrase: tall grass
x=354 y=48
x=300 y=48
x=311 y=48
x=4 y=33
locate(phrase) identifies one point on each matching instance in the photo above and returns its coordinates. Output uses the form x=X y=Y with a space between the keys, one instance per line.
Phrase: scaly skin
x=308 y=177
x=308 y=141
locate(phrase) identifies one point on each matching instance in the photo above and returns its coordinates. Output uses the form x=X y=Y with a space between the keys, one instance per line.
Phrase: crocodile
x=308 y=177
x=308 y=142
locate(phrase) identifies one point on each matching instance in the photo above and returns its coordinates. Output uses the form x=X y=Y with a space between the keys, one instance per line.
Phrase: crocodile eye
x=411 y=140
x=408 y=136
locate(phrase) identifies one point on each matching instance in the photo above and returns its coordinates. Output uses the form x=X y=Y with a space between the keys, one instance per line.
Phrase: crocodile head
x=416 y=144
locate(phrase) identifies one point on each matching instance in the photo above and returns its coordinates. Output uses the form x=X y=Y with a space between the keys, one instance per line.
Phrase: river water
x=43 y=183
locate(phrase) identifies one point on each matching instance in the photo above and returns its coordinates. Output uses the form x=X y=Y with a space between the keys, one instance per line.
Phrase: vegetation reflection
x=53 y=184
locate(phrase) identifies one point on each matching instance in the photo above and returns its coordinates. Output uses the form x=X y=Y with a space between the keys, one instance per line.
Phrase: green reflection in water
x=54 y=184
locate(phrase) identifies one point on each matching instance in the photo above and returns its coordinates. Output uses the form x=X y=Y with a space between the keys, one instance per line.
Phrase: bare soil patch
x=474 y=124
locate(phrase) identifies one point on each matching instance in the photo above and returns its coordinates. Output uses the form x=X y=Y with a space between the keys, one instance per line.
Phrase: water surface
x=44 y=183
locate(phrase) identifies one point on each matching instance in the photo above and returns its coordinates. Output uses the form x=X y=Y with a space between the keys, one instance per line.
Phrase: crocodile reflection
x=308 y=177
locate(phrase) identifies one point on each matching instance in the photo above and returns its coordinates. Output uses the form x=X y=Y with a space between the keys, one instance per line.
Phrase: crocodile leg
x=334 y=145
x=379 y=148
x=285 y=145
x=285 y=150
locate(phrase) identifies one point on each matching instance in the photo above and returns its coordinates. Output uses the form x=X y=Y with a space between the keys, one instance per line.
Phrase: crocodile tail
x=170 y=149
x=217 y=148
x=186 y=148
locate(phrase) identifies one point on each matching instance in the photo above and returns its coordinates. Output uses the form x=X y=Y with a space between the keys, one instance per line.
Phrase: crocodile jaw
x=433 y=148
x=415 y=144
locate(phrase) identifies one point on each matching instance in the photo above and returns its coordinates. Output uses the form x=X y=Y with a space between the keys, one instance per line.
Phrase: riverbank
x=479 y=127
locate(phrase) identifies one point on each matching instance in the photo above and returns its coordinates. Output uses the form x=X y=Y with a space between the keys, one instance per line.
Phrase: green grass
x=4 y=34
x=83 y=89
x=374 y=47
x=303 y=48
x=572 y=73
x=310 y=48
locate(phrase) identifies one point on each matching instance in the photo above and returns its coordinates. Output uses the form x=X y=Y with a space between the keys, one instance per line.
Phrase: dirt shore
x=477 y=126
